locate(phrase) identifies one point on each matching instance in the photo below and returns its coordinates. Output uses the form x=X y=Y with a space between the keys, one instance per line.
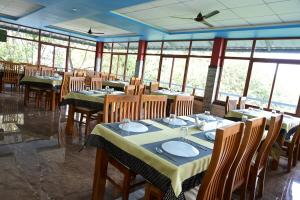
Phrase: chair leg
x=290 y=160
x=87 y=123
x=152 y=193
x=81 y=119
x=252 y=184
x=243 y=192
x=126 y=188
x=295 y=156
x=261 y=180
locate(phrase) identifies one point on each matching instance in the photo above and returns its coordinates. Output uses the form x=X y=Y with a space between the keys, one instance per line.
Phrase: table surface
x=142 y=146
x=42 y=80
x=170 y=94
x=288 y=121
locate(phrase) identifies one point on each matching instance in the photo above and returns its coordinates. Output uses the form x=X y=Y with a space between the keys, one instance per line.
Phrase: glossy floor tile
x=38 y=161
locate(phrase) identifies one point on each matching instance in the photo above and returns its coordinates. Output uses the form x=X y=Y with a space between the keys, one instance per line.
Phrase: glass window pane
x=105 y=62
x=284 y=49
x=154 y=47
x=47 y=55
x=118 y=65
x=165 y=72
x=239 y=48
x=177 y=48
x=287 y=88
x=197 y=74
x=133 y=47
x=151 y=68
x=20 y=31
x=60 y=58
x=261 y=83
x=130 y=68
x=54 y=38
x=201 y=48
x=178 y=73
x=81 y=59
x=83 y=44
x=120 y=47
x=233 y=78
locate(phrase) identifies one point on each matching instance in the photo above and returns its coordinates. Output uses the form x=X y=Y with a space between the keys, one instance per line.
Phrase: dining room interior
x=150 y=99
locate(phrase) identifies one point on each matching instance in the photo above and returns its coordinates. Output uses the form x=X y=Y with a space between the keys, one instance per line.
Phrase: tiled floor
x=38 y=161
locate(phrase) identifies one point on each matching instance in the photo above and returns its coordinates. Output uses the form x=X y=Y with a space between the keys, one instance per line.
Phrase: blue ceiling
x=59 y=11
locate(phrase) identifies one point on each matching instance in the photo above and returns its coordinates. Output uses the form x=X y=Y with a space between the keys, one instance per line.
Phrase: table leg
x=53 y=100
x=70 y=120
x=26 y=95
x=100 y=174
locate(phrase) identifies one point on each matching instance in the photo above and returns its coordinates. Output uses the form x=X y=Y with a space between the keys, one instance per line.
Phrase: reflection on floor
x=38 y=161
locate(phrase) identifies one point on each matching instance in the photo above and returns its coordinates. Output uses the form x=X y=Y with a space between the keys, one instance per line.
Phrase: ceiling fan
x=94 y=33
x=202 y=18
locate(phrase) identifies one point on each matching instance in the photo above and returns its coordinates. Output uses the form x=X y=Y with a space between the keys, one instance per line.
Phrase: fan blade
x=211 y=14
x=98 y=33
x=206 y=23
x=90 y=31
x=199 y=16
x=181 y=17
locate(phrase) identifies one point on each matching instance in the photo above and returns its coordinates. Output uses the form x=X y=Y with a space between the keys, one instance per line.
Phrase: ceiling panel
x=264 y=20
x=253 y=11
x=82 y=25
x=291 y=17
x=17 y=8
x=292 y=6
x=240 y=3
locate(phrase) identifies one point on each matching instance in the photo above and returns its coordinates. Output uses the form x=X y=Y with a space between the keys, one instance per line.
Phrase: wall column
x=213 y=73
x=98 y=57
x=140 y=58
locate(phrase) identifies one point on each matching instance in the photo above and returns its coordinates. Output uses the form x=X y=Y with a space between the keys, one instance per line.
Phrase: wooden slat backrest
x=80 y=73
x=231 y=104
x=139 y=89
x=154 y=86
x=227 y=143
x=135 y=81
x=130 y=89
x=183 y=105
x=111 y=77
x=11 y=73
x=90 y=73
x=96 y=83
x=239 y=172
x=265 y=148
x=64 y=90
x=47 y=71
x=104 y=76
x=31 y=70
x=153 y=106
x=119 y=107
x=242 y=103
x=76 y=84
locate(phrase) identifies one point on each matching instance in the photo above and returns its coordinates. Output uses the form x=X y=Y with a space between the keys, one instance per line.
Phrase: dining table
x=90 y=99
x=118 y=85
x=170 y=156
x=50 y=84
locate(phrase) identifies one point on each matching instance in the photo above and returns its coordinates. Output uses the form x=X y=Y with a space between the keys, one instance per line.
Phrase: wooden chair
x=231 y=104
x=154 y=86
x=47 y=71
x=239 y=172
x=111 y=77
x=96 y=83
x=291 y=149
x=258 y=169
x=135 y=81
x=64 y=89
x=76 y=84
x=11 y=76
x=129 y=89
x=139 y=89
x=242 y=103
x=116 y=108
x=153 y=106
x=183 y=105
x=227 y=143
x=104 y=76
x=80 y=73
x=30 y=70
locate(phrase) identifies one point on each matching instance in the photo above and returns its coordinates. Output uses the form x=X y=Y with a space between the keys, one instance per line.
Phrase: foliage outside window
x=54 y=38
x=151 y=68
x=105 y=62
x=131 y=63
x=239 y=48
x=82 y=59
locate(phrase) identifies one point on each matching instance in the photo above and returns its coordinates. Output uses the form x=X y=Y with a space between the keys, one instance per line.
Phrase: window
x=197 y=74
x=131 y=63
x=176 y=48
x=261 y=83
x=151 y=68
x=201 y=48
x=287 y=88
x=82 y=59
x=106 y=62
x=60 y=58
x=54 y=38
x=166 y=70
x=234 y=73
x=239 y=48
x=47 y=52
x=118 y=65
x=154 y=47
x=120 y=47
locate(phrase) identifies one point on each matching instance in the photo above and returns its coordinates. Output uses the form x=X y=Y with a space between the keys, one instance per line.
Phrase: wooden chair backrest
x=76 y=84
x=135 y=81
x=242 y=103
x=104 y=76
x=139 y=89
x=296 y=138
x=31 y=70
x=96 y=83
x=80 y=73
x=119 y=107
x=64 y=89
x=154 y=86
x=153 y=106
x=231 y=104
x=129 y=89
x=265 y=148
x=239 y=172
x=90 y=73
x=111 y=77
x=227 y=143
x=183 y=105
x=11 y=73
x=47 y=71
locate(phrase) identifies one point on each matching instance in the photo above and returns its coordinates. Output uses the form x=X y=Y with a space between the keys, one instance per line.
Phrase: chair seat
x=192 y=193
x=84 y=109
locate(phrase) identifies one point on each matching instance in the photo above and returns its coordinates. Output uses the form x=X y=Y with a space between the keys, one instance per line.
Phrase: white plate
x=179 y=148
x=206 y=117
x=134 y=127
x=176 y=121
x=210 y=135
